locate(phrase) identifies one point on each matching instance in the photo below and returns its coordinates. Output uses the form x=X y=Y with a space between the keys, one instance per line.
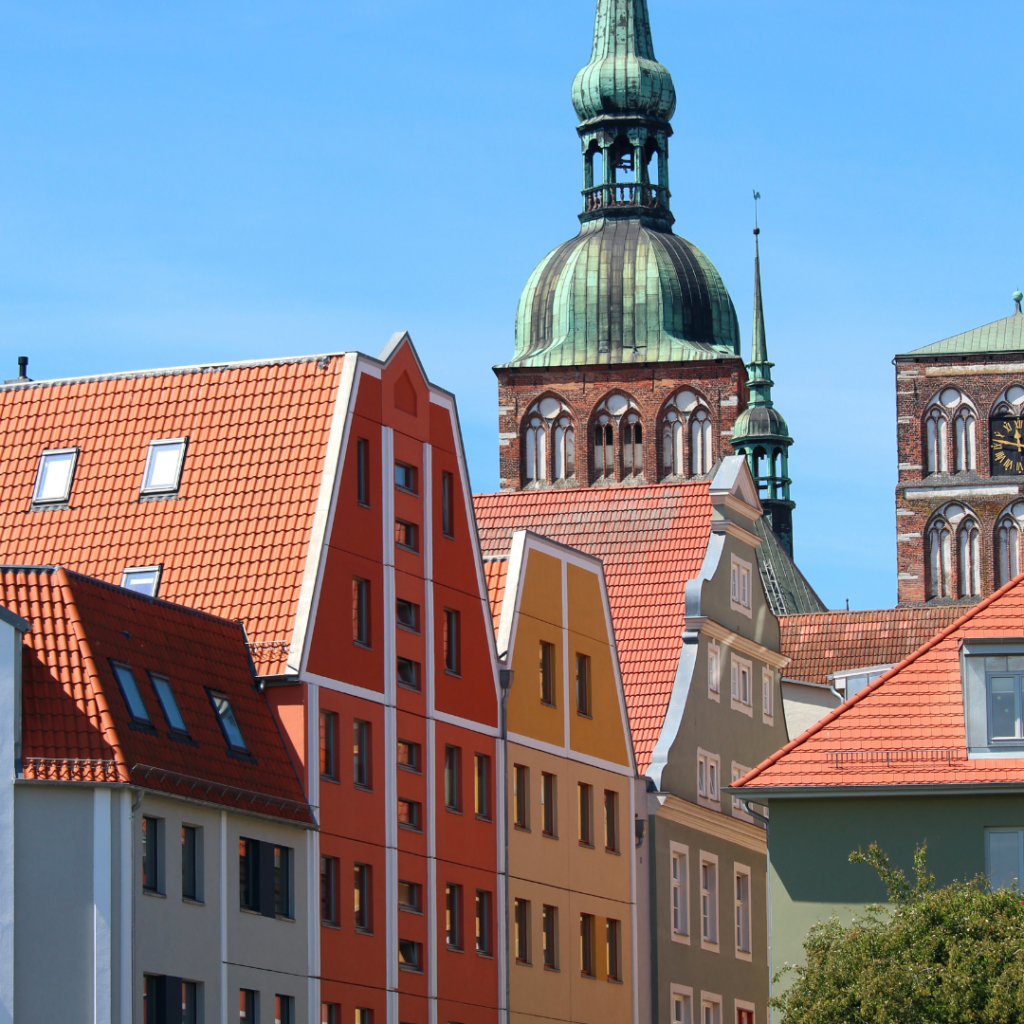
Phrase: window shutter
x=265 y=880
x=735 y=681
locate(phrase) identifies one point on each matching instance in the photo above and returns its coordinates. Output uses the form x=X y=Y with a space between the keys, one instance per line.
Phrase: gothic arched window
x=951 y=408
x=632 y=446
x=536 y=450
x=549 y=449
x=565 y=449
x=700 y=442
x=969 y=559
x=1008 y=538
x=617 y=419
x=673 y=452
x=953 y=548
x=604 y=448
x=682 y=440
x=965 y=440
x=935 y=428
x=939 y=558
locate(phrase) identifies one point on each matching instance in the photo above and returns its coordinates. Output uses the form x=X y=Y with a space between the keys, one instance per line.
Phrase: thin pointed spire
x=759 y=380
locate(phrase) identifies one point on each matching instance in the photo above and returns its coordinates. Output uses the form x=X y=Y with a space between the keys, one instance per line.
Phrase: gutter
x=758 y=794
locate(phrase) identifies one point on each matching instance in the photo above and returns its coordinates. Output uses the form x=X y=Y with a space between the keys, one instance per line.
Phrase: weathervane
x=757 y=195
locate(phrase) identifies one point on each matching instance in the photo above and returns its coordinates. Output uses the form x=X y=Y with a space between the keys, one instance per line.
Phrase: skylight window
x=130 y=691
x=163 y=466
x=54 y=476
x=143 y=579
x=168 y=704
x=228 y=722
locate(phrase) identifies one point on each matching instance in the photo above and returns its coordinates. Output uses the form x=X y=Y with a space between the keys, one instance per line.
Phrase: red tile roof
x=76 y=725
x=234 y=541
x=827 y=642
x=907 y=727
x=651 y=540
x=495 y=573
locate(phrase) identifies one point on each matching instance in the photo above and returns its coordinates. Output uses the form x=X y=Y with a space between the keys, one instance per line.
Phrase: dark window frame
x=405 y=603
x=611 y=821
x=521 y=797
x=138 y=720
x=452 y=642
x=408 y=680
x=447 y=507
x=584 y=696
x=521 y=913
x=547 y=674
x=410 y=955
x=328 y=890
x=410 y=473
x=152 y=866
x=415 y=889
x=361 y=635
x=549 y=798
x=414 y=812
x=482 y=786
x=415 y=762
x=453 y=778
x=549 y=931
x=361 y=739
x=328 y=745
x=586 y=814
x=363 y=472
x=191 y=882
x=363 y=912
x=484 y=923
x=411 y=533
x=213 y=695
x=453 y=915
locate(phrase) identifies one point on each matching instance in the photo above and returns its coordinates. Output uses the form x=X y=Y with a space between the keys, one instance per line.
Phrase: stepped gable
x=77 y=727
x=651 y=541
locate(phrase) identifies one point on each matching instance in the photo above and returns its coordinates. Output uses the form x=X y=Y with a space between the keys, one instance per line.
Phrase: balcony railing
x=626 y=193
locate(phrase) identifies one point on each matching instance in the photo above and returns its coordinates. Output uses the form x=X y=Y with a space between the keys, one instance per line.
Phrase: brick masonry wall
x=981 y=378
x=720 y=382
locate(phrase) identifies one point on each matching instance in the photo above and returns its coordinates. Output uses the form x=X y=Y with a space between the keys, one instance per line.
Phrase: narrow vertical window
x=520 y=796
x=742 y=911
x=361 y=611
x=329 y=1013
x=682 y=1009
x=246 y=1006
x=549 y=935
x=362 y=897
x=611 y=821
x=363 y=471
x=583 y=685
x=361 y=753
x=284 y=1009
x=709 y=901
x=189 y=863
x=248 y=874
x=328 y=745
x=547 y=804
x=482 y=783
x=612 y=943
x=453 y=915
x=547 y=673
x=447 y=522
x=586 y=829
x=150 y=854
x=283 y=881
x=452 y=787
x=587 y=965
x=328 y=887
x=522 y=927
x=483 y=922
x=452 y=639
x=680 y=894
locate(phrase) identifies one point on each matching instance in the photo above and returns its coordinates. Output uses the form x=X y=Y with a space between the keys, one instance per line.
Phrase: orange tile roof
x=495 y=573
x=651 y=540
x=76 y=726
x=827 y=642
x=907 y=727
x=234 y=542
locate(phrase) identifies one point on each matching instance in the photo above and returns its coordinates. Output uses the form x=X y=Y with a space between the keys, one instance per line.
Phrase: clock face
x=1007 y=445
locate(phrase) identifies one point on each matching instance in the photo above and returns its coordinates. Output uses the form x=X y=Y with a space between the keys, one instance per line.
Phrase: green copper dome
x=621 y=292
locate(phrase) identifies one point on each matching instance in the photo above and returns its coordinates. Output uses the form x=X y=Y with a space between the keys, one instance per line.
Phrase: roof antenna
x=847 y=604
x=1017 y=296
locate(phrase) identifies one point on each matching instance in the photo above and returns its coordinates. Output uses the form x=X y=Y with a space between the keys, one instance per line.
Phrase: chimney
x=23 y=377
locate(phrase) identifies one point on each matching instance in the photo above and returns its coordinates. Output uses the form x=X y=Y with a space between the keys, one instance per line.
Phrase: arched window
x=673 y=454
x=604 y=448
x=964 y=435
x=549 y=450
x=700 y=442
x=536 y=450
x=939 y=558
x=951 y=408
x=632 y=446
x=953 y=543
x=935 y=427
x=969 y=560
x=1008 y=539
x=565 y=449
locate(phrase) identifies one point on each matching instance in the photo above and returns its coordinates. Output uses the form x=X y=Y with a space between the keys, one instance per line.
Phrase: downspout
x=749 y=808
x=131 y=829
x=505 y=677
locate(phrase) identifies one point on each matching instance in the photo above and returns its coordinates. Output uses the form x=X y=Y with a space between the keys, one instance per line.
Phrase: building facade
x=571 y=789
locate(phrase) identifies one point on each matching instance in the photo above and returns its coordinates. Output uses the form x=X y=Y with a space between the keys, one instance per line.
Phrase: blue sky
x=194 y=182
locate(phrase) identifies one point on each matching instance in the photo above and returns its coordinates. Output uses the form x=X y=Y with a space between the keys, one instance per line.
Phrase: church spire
x=760 y=379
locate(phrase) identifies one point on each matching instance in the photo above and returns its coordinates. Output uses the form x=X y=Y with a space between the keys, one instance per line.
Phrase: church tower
x=627 y=365
x=761 y=433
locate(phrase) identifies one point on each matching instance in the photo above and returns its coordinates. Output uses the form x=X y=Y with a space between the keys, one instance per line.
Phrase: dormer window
x=143 y=579
x=131 y=694
x=993 y=698
x=163 y=466
x=228 y=722
x=168 y=704
x=54 y=477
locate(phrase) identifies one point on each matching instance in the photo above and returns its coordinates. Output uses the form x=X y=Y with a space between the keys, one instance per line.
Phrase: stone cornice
x=716 y=631
x=714 y=823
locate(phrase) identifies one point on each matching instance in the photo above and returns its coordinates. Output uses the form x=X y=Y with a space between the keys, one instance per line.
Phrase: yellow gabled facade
x=571 y=790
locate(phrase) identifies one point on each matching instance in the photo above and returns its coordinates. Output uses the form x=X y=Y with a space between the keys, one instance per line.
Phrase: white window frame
x=677 y=851
x=743 y=871
x=738 y=811
x=139 y=569
x=709 y=779
x=741 y=586
x=742 y=1004
x=712 y=945
x=710 y=999
x=684 y=994
x=162 y=442
x=714 y=672
x=840 y=681
x=37 y=501
x=989 y=832
x=739 y=666
x=767 y=696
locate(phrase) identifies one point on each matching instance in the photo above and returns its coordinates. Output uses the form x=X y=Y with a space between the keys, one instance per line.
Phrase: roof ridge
x=873 y=686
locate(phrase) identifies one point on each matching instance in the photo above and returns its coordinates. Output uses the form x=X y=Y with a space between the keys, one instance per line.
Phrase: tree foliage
x=936 y=955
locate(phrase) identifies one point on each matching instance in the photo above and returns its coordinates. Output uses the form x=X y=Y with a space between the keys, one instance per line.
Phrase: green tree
x=952 y=955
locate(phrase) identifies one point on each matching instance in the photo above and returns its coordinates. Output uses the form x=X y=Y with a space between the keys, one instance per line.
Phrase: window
x=708 y=774
x=447 y=493
x=482 y=785
x=565 y=449
x=742 y=685
x=1004 y=699
x=1008 y=543
x=710 y=1009
x=408 y=615
x=965 y=443
x=165 y=998
x=405 y=477
x=410 y=896
x=54 y=477
x=409 y=756
x=361 y=753
x=483 y=922
x=586 y=797
x=613 y=938
x=547 y=673
x=408 y=673
x=744 y=1013
x=682 y=1005
x=248 y=874
x=1004 y=856
x=969 y=559
x=740 y=583
x=521 y=796
x=549 y=935
x=407 y=535
x=522 y=927
x=410 y=815
x=410 y=955
x=328 y=745
x=362 y=897
x=453 y=915
x=246 y=1005
x=939 y=560
x=142 y=579
x=700 y=442
x=452 y=772
x=587 y=965
x=328 y=890
x=151 y=859
x=850 y=683
x=708 y=900
x=536 y=449
x=738 y=810
x=363 y=1015
x=163 y=466
x=611 y=821
x=130 y=692
x=283 y=881
x=191 y=849
x=680 y=892
x=583 y=685
x=993 y=697
x=604 y=450
x=284 y=1010
x=228 y=722
x=547 y=804
x=767 y=696
x=935 y=437
x=329 y=1013
x=360 y=611
x=363 y=471
x=742 y=879
x=633 y=446
x=714 y=671
x=452 y=642
x=168 y=704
